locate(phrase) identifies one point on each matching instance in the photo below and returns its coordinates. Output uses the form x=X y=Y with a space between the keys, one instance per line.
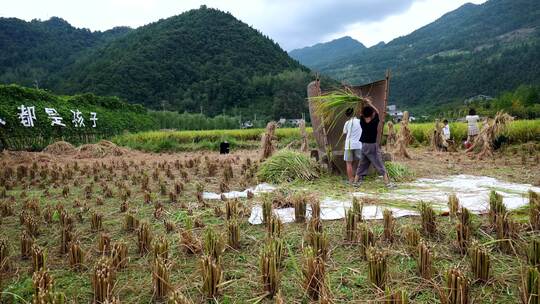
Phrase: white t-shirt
x=446 y=131
x=353 y=130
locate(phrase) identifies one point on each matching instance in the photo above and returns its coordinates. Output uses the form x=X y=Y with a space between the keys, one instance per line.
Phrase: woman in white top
x=353 y=146
x=472 y=125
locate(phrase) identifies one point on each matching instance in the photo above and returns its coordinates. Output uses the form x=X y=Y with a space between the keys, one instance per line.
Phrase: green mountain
x=32 y=52
x=201 y=60
x=323 y=54
x=476 y=49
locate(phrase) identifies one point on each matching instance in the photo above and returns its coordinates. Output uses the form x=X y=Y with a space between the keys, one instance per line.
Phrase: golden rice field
x=519 y=131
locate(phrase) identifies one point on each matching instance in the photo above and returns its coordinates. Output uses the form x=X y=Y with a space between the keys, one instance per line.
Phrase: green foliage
x=287 y=165
x=188 y=121
x=114 y=116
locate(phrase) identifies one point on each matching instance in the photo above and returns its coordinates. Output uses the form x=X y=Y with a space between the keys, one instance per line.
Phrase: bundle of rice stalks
x=428 y=219
x=397 y=297
x=65 y=238
x=211 y=276
x=274 y=227
x=49 y=297
x=231 y=209
x=437 y=139
x=104 y=243
x=463 y=236
x=398 y=171
x=319 y=243
x=412 y=238
x=332 y=105
x=350 y=226
x=506 y=231
x=178 y=298
x=131 y=223
x=424 y=261
x=300 y=205
x=170 y=226
x=160 y=279
x=315 y=208
x=103 y=280
x=480 y=262
x=287 y=165
x=305 y=144
x=119 y=255
x=267 y=145
x=534 y=210
x=457 y=287
x=267 y=211
x=465 y=217
x=453 y=204
x=533 y=253
x=213 y=244
x=96 y=223
x=38 y=258
x=357 y=208
x=391 y=135
x=496 y=207
x=4 y=254
x=483 y=143
x=124 y=206
x=42 y=281
x=377 y=268
x=366 y=240
x=188 y=241
x=530 y=286
x=144 y=238
x=388 y=220
x=404 y=137
x=314 y=275
x=26 y=245
x=277 y=247
x=31 y=224
x=161 y=248
x=269 y=262
x=233 y=232
x=76 y=256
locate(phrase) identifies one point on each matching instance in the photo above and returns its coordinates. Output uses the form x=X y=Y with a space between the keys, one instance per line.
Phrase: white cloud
x=292 y=23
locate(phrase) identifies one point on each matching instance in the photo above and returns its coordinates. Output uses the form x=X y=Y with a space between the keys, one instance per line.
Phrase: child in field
x=472 y=126
x=371 y=153
x=446 y=130
x=353 y=146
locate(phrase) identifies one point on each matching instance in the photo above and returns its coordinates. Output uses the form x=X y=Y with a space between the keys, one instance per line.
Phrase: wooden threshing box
x=332 y=136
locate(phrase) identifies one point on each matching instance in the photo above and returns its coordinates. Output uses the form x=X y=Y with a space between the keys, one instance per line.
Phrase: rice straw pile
x=483 y=143
x=287 y=165
x=266 y=141
x=404 y=137
x=329 y=107
x=437 y=138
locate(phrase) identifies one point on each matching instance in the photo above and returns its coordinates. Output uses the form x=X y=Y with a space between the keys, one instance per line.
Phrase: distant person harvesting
x=472 y=126
x=371 y=154
x=353 y=146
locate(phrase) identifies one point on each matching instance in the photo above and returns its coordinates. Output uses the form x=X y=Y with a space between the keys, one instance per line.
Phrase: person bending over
x=353 y=146
x=371 y=154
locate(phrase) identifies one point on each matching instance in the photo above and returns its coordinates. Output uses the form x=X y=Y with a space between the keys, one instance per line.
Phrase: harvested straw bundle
x=332 y=105
x=287 y=165
x=404 y=137
x=483 y=143
x=266 y=142
x=438 y=142
x=391 y=136
x=304 y=146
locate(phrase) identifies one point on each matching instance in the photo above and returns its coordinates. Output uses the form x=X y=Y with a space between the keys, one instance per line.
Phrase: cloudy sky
x=292 y=23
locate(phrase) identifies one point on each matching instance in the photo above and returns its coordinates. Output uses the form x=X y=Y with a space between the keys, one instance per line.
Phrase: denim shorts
x=352 y=155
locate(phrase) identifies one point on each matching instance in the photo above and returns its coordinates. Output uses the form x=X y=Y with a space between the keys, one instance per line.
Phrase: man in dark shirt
x=371 y=154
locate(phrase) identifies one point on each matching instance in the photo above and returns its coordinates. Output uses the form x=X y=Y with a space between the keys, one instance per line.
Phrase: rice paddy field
x=520 y=131
x=104 y=224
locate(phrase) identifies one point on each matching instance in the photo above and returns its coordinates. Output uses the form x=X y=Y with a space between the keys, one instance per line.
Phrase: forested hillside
x=322 y=54
x=32 y=53
x=203 y=60
x=476 y=49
